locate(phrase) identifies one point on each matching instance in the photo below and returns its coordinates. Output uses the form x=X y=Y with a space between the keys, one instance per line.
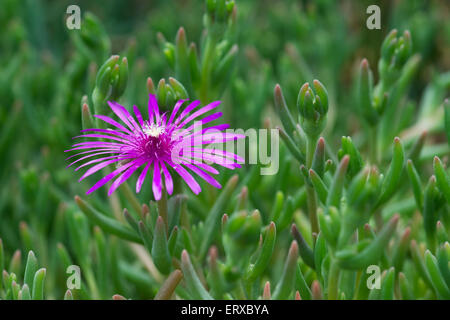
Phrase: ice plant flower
x=155 y=145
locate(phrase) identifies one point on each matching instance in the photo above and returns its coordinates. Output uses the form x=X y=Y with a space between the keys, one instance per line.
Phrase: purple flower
x=155 y=145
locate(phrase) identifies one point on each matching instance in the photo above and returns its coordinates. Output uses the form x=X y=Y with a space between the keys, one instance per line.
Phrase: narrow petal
x=217 y=128
x=157 y=186
x=200 y=164
x=194 y=104
x=141 y=178
x=120 y=157
x=98 y=167
x=168 y=178
x=175 y=110
x=153 y=108
x=109 y=131
x=112 y=150
x=204 y=176
x=138 y=115
x=124 y=115
x=103 y=136
x=163 y=119
x=199 y=112
x=88 y=156
x=121 y=112
x=206 y=120
x=92 y=147
x=136 y=127
x=124 y=176
x=187 y=177
x=219 y=138
x=108 y=177
x=112 y=122
x=205 y=167
x=224 y=162
x=221 y=152
x=98 y=144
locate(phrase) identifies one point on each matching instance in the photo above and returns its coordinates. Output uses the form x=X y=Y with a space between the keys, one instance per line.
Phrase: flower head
x=313 y=108
x=158 y=145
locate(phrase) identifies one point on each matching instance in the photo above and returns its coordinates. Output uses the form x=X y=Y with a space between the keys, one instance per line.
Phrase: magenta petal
x=108 y=177
x=97 y=167
x=175 y=110
x=124 y=176
x=200 y=164
x=194 y=104
x=133 y=122
x=204 y=176
x=163 y=119
x=168 y=178
x=124 y=115
x=138 y=115
x=110 y=131
x=157 y=185
x=103 y=136
x=100 y=160
x=224 y=162
x=121 y=112
x=196 y=134
x=153 y=107
x=141 y=178
x=220 y=152
x=205 y=167
x=112 y=150
x=90 y=147
x=98 y=144
x=218 y=138
x=208 y=119
x=199 y=112
x=112 y=122
x=187 y=177
x=88 y=156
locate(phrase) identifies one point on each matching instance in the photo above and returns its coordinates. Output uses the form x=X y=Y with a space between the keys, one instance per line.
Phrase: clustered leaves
x=339 y=206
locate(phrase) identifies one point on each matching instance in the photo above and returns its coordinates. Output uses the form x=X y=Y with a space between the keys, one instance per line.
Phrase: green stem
x=162 y=209
x=373 y=148
x=344 y=235
x=310 y=148
x=311 y=194
x=333 y=279
x=207 y=61
x=312 y=210
x=90 y=279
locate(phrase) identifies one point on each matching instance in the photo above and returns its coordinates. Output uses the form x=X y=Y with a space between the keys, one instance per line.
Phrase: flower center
x=153 y=130
x=156 y=143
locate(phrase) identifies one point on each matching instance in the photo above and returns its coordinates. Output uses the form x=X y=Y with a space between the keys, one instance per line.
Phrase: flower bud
x=167 y=94
x=110 y=84
x=395 y=52
x=218 y=12
x=241 y=235
x=244 y=228
x=119 y=79
x=313 y=108
x=356 y=162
